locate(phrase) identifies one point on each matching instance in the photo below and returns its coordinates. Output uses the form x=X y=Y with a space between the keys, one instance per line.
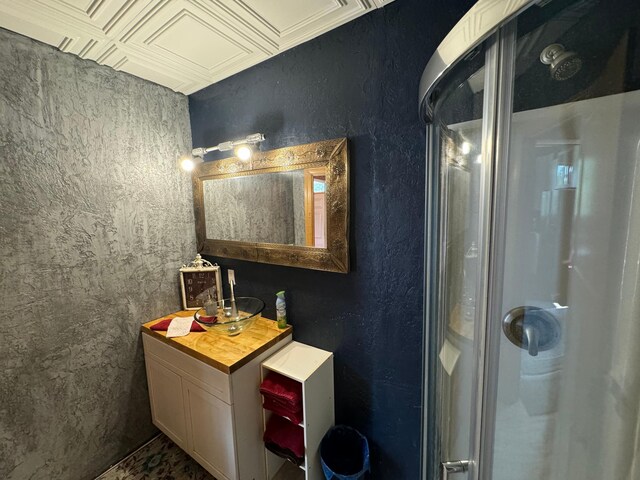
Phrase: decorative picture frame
x=196 y=277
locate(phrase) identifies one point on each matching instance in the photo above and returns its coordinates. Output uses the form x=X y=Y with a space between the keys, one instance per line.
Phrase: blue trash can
x=344 y=454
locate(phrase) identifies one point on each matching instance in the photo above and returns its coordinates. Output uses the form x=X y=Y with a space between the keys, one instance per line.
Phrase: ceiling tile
x=81 y=5
x=288 y=23
x=197 y=41
x=38 y=32
x=284 y=16
x=141 y=68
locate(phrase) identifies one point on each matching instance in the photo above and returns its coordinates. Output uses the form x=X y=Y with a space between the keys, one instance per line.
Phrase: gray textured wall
x=255 y=208
x=298 y=207
x=95 y=220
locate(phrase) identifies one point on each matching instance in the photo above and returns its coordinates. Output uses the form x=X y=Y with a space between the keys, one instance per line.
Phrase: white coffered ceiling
x=182 y=44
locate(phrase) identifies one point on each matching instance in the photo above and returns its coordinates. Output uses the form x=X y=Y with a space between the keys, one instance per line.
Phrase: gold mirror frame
x=332 y=154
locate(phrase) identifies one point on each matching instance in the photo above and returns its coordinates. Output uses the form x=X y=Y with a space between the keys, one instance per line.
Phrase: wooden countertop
x=219 y=350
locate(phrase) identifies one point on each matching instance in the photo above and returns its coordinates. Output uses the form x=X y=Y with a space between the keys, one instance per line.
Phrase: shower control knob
x=531 y=328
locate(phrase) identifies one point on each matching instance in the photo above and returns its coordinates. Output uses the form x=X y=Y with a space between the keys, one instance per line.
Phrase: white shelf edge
x=301 y=424
x=297 y=361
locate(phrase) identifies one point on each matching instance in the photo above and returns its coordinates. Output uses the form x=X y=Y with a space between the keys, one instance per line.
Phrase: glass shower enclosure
x=532 y=295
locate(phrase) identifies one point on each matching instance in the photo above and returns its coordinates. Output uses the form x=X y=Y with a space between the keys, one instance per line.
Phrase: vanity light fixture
x=242 y=149
x=243 y=144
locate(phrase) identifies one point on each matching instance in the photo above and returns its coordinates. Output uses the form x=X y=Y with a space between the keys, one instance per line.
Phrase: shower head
x=563 y=64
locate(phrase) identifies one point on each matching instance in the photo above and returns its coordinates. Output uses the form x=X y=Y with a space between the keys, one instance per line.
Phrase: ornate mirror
x=288 y=206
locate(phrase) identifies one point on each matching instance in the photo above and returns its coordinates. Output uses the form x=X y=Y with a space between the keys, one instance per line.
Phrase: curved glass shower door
x=534 y=248
x=458 y=139
x=568 y=385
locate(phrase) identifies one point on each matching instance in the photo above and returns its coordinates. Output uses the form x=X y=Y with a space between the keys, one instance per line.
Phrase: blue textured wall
x=358 y=81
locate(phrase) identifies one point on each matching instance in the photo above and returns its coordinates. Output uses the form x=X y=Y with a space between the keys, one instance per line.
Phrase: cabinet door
x=167 y=403
x=212 y=438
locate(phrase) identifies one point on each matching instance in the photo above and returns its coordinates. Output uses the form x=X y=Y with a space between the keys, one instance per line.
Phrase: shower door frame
x=496 y=116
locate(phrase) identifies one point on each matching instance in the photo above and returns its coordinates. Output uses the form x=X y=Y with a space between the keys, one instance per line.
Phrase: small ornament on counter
x=210 y=302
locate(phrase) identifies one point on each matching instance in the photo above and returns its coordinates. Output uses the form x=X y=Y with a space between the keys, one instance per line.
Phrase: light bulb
x=243 y=152
x=466 y=148
x=187 y=164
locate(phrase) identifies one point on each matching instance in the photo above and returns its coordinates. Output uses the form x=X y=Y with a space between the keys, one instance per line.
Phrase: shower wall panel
x=577 y=400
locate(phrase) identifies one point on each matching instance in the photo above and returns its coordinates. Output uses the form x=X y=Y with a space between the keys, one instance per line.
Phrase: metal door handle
x=459 y=466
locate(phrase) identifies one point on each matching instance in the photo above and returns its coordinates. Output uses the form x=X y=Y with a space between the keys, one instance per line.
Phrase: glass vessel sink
x=230 y=321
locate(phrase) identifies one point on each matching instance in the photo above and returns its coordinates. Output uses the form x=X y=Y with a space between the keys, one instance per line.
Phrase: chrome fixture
x=532 y=329
x=242 y=148
x=563 y=64
x=459 y=466
x=232 y=282
x=229 y=145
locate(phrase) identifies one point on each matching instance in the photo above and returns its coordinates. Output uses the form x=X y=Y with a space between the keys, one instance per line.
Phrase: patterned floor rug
x=160 y=459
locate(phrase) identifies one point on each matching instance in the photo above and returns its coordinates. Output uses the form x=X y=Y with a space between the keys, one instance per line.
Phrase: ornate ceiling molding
x=185 y=45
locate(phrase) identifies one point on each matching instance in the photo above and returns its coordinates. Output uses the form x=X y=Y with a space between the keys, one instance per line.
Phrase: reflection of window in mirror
x=315 y=209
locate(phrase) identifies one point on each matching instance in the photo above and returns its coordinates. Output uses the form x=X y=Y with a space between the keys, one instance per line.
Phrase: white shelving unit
x=313 y=368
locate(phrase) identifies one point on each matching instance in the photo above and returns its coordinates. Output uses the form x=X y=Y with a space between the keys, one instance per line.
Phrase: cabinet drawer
x=205 y=376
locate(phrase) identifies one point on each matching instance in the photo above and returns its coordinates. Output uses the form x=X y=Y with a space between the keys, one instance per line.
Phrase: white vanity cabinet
x=204 y=395
x=185 y=409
